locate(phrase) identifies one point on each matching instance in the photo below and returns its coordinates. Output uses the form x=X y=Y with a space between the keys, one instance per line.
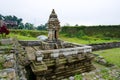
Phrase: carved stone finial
x=53 y=11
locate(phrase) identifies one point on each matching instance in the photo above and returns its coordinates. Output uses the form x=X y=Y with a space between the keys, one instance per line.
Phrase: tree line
x=20 y=24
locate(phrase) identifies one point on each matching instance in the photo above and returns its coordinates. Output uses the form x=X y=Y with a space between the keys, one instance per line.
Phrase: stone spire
x=53 y=26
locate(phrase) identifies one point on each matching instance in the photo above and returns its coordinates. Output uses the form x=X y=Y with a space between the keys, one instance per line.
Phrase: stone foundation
x=99 y=46
x=49 y=62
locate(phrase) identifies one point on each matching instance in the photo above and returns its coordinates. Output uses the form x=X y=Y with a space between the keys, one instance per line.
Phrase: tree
x=29 y=26
x=0 y=17
x=76 y=25
x=21 y=26
x=42 y=27
x=12 y=21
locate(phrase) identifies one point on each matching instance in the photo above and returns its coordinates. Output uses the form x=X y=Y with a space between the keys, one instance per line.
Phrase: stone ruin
x=10 y=67
x=51 y=59
x=54 y=59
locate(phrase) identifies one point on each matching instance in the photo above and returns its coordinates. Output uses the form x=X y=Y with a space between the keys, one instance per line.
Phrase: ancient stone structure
x=53 y=27
x=54 y=59
x=51 y=59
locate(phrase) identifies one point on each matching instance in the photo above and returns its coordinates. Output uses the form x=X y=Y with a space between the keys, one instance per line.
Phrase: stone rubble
x=9 y=67
x=102 y=74
x=102 y=61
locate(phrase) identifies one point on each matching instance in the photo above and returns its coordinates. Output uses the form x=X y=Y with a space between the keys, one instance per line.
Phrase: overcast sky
x=82 y=12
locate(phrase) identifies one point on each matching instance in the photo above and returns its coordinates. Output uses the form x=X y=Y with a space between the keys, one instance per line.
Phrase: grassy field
x=111 y=55
x=29 y=35
x=85 y=41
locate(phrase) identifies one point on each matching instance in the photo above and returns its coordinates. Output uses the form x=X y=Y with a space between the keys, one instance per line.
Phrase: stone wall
x=10 y=67
x=102 y=46
x=99 y=46
x=30 y=43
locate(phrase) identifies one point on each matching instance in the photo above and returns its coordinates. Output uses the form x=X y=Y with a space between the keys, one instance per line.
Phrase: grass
x=98 y=66
x=83 y=41
x=28 y=35
x=78 y=77
x=5 y=46
x=111 y=55
x=20 y=37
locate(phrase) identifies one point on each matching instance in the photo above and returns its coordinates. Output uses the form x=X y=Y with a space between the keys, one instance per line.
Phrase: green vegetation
x=13 y=22
x=29 y=33
x=81 y=35
x=21 y=37
x=78 y=77
x=83 y=41
x=103 y=32
x=105 y=74
x=26 y=34
x=90 y=34
x=1 y=66
x=16 y=22
x=111 y=55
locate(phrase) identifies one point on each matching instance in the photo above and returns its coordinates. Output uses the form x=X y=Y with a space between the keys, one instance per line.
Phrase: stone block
x=8 y=64
x=7 y=74
x=11 y=75
x=8 y=57
x=39 y=58
x=6 y=41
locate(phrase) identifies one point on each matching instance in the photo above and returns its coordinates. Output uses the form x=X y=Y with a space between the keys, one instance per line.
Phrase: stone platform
x=56 y=64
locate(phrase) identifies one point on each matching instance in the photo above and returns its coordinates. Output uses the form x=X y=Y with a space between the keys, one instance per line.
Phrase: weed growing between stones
x=78 y=77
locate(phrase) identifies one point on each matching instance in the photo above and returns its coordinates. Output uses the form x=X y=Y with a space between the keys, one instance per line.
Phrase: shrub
x=98 y=31
x=4 y=31
x=29 y=33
